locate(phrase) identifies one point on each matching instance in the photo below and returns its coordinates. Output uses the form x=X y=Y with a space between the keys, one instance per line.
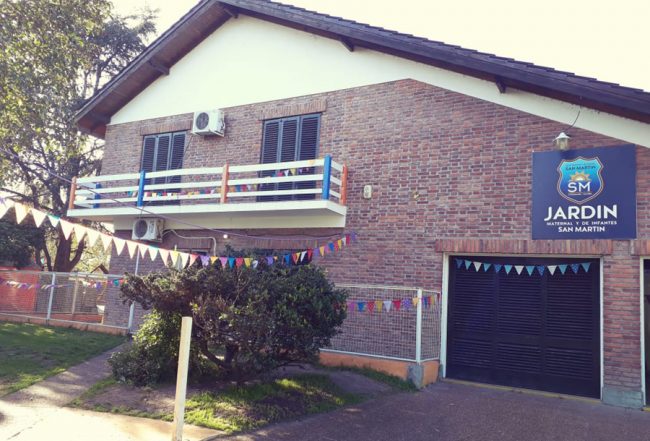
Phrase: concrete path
x=455 y=412
x=37 y=412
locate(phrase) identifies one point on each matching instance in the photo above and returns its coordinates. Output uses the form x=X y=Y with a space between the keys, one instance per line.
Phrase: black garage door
x=525 y=330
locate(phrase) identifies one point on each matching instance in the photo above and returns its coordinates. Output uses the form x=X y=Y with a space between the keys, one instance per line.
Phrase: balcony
x=298 y=194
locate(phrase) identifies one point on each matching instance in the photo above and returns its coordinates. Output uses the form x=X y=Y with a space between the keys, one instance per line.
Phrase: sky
x=595 y=38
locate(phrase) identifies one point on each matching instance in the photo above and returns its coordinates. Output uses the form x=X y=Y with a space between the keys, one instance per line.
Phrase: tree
x=19 y=243
x=245 y=321
x=53 y=56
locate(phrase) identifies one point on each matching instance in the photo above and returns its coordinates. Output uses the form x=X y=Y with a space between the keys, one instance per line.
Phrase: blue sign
x=585 y=194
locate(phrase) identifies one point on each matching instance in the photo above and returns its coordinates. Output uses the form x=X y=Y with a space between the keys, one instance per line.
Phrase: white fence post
x=418 y=329
x=49 y=301
x=75 y=291
x=181 y=378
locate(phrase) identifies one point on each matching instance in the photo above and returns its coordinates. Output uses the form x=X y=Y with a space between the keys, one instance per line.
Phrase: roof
x=208 y=15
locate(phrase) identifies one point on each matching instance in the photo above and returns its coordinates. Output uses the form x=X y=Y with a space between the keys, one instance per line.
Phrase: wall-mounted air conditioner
x=148 y=229
x=209 y=122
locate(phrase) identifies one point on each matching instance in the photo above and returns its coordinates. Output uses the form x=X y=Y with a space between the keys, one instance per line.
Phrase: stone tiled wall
x=450 y=173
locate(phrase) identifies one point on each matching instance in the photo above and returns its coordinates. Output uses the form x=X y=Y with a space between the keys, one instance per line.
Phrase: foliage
x=260 y=319
x=153 y=356
x=19 y=243
x=31 y=353
x=53 y=56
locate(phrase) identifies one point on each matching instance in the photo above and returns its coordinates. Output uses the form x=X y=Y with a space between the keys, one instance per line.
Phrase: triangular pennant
x=387 y=305
x=295 y=257
x=287 y=259
x=38 y=216
x=132 y=247
x=153 y=253
x=254 y=264
x=193 y=258
x=351 y=306
x=107 y=241
x=119 y=245
x=164 y=255
x=54 y=220
x=497 y=267
x=347 y=239
x=468 y=263
x=406 y=304
x=486 y=266
x=79 y=232
x=21 y=212
x=321 y=250
x=551 y=269
x=477 y=266
x=93 y=235
x=585 y=266
x=175 y=257
x=231 y=262
x=3 y=210
x=239 y=261
x=302 y=256
x=540 y=269
x=247 y=261
x=459 y=262
x=310 y=252
x=507 y=268
x=562 y=268
x=340 y=243
x=331 y=246
x=378 y=305
x=223 y=261
x=67 y=228
x=530 y=269
x=205 y=261
x=269 y=260
x=353 y=236
x=184 y=258
x=415 y=301
x=397 y=304
x=213 y=259
x=361 y=306
x=370 y=306
x=575 y=267
x=519 y=268
x=143 y=248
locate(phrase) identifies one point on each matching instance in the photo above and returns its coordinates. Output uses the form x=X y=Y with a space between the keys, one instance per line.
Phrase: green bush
x=153 y=355
x=245 y=321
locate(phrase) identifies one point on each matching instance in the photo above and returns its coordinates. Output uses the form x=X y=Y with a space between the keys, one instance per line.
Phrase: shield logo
x=580 y=179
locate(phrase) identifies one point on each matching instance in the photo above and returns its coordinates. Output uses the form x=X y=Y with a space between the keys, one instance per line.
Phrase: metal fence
x=55 y=297
x=400 y=323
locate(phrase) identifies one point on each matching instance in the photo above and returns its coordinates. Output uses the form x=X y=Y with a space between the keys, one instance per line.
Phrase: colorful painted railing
x=298 y=180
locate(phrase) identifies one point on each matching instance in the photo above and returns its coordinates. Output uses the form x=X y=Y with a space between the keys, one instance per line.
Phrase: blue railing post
x=327 y=171
x=97 y=195
x=143 y=174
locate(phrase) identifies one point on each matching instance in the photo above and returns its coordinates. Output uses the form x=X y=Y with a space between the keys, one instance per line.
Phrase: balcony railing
x=227 y=188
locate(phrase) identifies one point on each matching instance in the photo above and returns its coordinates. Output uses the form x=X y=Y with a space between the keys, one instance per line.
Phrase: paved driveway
x=454 y=412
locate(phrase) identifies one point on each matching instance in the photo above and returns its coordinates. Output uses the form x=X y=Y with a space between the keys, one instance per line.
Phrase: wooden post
x=73 y=191
x=327 y=171
x=140 y=201
x=75 y=291
x=344 y=185
x=181 y=378
x=224 y=184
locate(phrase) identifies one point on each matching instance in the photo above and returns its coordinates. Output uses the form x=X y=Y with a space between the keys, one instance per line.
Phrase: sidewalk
x=37 y=412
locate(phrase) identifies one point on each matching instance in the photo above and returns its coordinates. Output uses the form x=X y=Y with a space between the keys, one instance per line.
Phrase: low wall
x=62 y=323
x=425 y=373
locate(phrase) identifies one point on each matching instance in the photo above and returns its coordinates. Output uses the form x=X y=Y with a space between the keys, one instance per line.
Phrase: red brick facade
x=450 y=173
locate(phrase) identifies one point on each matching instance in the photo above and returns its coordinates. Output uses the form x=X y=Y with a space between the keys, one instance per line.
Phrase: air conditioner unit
x=209 y=122
x=148 y=229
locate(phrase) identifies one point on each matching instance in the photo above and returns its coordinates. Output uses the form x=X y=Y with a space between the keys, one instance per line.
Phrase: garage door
x=525 y=322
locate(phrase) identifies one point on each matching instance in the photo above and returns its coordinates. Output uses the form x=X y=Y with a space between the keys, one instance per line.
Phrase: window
x=290 y=139
x=163 y=152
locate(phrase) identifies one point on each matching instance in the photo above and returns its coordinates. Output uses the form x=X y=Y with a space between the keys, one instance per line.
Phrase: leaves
x=53 y=56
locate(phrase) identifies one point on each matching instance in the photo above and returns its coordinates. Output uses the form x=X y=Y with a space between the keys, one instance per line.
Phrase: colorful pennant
x=478 y=266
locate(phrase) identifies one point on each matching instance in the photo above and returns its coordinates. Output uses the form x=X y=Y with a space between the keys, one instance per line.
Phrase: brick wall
x=450 y=173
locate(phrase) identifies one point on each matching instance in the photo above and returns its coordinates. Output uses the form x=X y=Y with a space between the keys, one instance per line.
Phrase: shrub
x=245 y=321
x=153 y=356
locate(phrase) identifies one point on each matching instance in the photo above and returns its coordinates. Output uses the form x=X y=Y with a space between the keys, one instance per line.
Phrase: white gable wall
x=249 y=61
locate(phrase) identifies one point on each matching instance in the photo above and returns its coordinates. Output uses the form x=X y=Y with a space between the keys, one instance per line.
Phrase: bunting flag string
x=99 y=284
x=478 y=266
x=386 y=306
x=174 y=257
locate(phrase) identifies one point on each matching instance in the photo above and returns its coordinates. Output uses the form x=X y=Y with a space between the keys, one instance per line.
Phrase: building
x=452 y=175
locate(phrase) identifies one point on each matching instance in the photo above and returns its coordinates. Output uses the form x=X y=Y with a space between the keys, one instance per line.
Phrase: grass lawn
x=231 y=409
x=31 y=353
